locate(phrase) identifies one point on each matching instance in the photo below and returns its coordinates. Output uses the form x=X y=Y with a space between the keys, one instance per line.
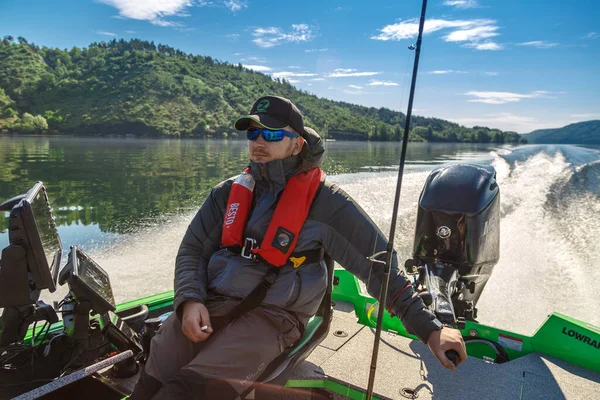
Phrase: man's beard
x=260 y=153
x=265 y=153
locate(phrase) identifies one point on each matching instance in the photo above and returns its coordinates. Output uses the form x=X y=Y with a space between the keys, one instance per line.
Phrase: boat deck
x=345 y=355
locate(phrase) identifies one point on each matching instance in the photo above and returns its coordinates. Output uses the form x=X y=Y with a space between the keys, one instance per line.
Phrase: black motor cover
x=458 y=225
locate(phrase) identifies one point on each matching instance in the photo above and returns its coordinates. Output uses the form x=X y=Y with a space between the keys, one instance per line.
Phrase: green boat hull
x=559 y=336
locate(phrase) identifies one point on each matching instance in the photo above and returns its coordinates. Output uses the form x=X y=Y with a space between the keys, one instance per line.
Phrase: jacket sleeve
x=352 y=237
x=201 y=240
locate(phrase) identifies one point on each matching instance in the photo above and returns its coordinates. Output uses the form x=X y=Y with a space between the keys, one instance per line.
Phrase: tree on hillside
x=140 y=87
x=30 y=124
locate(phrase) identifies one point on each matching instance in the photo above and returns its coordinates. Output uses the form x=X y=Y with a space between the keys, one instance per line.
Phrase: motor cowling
x=457 y=238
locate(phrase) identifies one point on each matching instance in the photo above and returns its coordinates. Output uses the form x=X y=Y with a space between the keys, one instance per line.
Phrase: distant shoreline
x=239 y=138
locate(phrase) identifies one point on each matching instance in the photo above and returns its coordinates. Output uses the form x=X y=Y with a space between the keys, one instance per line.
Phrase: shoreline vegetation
x=137 y=88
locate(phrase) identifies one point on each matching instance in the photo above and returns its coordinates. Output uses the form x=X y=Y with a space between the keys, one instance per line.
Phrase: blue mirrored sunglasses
x=269 y=135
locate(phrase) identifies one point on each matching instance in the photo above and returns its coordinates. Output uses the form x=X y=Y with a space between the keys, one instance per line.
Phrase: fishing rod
x=390 y=246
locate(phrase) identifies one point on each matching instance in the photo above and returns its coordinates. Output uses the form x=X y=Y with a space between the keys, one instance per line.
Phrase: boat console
x=29 y=264
x=91 y=329
x=88 y=282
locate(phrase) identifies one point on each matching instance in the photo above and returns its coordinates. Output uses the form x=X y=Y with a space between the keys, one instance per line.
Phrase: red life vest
x=287 y=221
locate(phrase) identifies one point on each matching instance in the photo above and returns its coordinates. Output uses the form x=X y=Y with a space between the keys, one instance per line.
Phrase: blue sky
x=509 y=64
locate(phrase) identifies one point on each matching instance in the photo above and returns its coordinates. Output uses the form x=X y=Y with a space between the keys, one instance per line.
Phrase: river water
x=127 y=203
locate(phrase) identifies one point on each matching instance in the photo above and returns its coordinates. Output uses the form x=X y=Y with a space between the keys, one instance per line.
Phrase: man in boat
x=269 y=227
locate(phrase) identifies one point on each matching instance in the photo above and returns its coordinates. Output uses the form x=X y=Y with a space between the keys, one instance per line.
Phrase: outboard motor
x=457 y=240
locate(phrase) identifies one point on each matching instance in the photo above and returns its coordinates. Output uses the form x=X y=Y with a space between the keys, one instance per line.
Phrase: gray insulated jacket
x=205 y=272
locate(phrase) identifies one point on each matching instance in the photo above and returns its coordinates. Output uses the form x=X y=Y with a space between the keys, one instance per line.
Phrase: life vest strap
x=256 y=296
x=296 y=259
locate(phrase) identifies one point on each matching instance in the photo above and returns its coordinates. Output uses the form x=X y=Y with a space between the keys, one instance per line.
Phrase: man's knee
x=187 y=384
x=170 y=350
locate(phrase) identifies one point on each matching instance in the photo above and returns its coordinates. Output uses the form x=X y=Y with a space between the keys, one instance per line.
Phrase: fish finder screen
x=46 y=227
x=95 y=277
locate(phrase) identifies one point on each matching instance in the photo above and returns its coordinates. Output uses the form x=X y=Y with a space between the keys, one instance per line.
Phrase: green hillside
x=137 y=87
x=587 y=132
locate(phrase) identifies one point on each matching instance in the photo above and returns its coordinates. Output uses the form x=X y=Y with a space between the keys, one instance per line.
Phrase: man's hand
x=447 y=339
x=195 y=316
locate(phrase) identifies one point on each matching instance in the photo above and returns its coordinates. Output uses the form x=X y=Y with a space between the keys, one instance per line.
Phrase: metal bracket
x=374 y=259
x=249 y=245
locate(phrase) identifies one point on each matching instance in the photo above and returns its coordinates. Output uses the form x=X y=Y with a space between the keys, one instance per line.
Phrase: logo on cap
x=262 y=105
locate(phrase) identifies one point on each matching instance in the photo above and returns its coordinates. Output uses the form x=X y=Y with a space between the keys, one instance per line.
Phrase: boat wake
x=548 y=247
x=549 y=243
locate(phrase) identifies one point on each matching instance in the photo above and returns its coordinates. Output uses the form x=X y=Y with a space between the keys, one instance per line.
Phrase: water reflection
x=101 y=188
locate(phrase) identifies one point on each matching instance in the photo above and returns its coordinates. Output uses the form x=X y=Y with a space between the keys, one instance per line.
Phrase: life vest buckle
x=249 y=245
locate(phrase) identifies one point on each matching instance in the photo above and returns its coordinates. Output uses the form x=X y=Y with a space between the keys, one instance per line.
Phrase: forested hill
x=587 y=132
x=138 y=87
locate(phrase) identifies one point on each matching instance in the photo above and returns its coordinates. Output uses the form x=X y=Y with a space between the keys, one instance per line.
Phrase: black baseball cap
x=273 y=112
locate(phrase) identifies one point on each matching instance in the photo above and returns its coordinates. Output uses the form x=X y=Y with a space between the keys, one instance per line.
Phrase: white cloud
x=352 y=91
x=539 y=44
x=261 y=60
x=259 y=68
x=506 y=121
x=163 y=23
x=319 y=79
x=504 y=97
x=410 y=28
x=271 y=31
x=472 y=35
x=347 y=72
x=587 y=116
x=235 y=5
x=315 y=50
x=152 y=11
x=106 y=33
x=461 y=3
x=288 y=74
x=355 y=86
x=476 y=33
x=130 y=32
x=485 y=46
x=294 y=67
x=517 y=123
x=373 y=82
x=233 y=36
x=591 y=35
x=270 y=37
x=447 y=71
x=490 y=73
